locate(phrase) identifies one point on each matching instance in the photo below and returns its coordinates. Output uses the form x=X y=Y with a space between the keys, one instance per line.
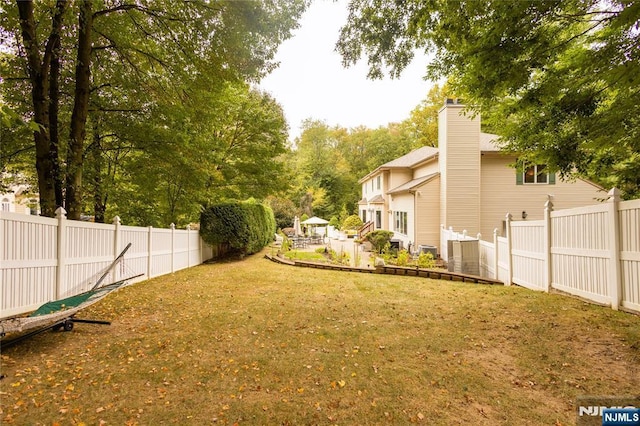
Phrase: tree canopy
x=559 y=78
x=142 y=101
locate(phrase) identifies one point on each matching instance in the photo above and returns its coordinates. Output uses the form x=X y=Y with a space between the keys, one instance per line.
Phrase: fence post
x=548 y=207
x=509 y=257
x=116 y=244
x=443 y=243
x=61 y=273
x=495 y=253
x=149 y=251
x=189 y=246
x=614 y=248
x=173 y=249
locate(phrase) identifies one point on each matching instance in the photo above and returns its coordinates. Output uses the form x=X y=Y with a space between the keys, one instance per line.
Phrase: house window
x=538 y=173
x=364 y=216
x=400 y=219
x=378 y=179
x=378 y=219
x=5 y=205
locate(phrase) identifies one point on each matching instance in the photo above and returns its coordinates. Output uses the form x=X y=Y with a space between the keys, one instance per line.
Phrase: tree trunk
x=99 y=196
x=54 y=104
x=39 y=79
x=79 y=116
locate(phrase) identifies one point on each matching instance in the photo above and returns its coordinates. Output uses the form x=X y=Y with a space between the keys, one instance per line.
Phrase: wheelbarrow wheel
x=68 y=325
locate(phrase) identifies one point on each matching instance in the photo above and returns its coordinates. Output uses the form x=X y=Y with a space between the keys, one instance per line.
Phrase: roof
x=489 y=142
x=411 y=159
x=413 y=184
x=407 y=161
x=378 y=199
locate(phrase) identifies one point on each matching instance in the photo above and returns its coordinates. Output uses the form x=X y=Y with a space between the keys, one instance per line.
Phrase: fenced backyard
x=44 y=259
x=592 y=252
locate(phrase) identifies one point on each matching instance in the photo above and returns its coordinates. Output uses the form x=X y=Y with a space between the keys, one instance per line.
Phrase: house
x=17 y=200
x=466 y=183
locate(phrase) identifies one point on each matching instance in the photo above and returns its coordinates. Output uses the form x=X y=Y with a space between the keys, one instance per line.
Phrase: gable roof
x=407 y=161
x=488 y=143
x=412 y=184
x=413 y=158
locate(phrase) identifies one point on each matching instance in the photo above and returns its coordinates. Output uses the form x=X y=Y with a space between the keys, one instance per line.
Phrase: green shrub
x=353 y=222
x=426 y=260
x=246 y=227
x=402 y=259
x=379 y=239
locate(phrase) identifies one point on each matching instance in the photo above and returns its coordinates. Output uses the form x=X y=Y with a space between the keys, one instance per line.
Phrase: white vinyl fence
x=592 y=252
x=44 y=259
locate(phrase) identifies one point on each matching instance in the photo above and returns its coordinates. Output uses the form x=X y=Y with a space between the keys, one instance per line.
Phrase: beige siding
x=501 y=195
x=427 y=169
x=428 y=213
x=459 y=139
x=399 y=177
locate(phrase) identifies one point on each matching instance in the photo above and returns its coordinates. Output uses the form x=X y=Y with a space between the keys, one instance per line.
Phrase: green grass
x=254 y=342
x=305 y=256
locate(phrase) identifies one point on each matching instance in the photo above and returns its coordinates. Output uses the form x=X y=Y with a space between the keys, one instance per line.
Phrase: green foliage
x=426 y=260
x=283 y=210
x=379 y=239
x=335 y=222
x=341 y=258
x=173 y=122
x=352 y=222
x=247 y=227
x=558 y=79
x=402 y=258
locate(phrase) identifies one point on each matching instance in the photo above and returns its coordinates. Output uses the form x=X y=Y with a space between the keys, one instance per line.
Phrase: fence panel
x=29 y=260
x=487 y=259
x=195 y=257
x=88 y=252
x=580 y=252
x=161 y=246
x=503 y=260
x=181 y=249
x=528 y=254
x=136 y=260
x=629 y=220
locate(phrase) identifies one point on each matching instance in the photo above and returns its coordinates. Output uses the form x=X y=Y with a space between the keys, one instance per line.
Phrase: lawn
x=254 y=342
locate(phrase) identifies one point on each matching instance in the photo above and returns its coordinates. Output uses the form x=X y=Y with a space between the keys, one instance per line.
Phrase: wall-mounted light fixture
x=524 y=214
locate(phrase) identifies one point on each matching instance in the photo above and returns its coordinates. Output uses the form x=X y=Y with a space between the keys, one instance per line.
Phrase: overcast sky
x=311 y=82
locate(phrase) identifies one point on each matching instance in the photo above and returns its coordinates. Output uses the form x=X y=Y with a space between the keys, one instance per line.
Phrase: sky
x=312 y=83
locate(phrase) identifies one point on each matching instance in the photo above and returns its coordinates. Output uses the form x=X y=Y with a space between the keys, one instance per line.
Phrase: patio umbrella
x=296 y=226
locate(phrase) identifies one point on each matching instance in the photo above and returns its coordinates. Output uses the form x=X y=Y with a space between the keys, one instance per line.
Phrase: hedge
x=246 y=227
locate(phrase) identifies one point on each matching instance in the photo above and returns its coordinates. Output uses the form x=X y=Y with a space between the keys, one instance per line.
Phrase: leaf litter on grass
x=254 y=342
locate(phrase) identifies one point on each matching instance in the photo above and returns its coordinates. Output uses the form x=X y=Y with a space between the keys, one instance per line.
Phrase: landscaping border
x=391 y=270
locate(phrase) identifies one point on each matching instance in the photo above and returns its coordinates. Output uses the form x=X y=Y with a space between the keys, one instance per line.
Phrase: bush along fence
x=237 y=227
x=44 y=259
x=592 y=252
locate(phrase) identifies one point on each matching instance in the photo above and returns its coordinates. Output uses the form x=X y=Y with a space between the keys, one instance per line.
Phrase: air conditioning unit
x=428 y=249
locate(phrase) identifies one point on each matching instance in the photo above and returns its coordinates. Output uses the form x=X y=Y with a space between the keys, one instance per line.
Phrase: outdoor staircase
x=365 y=229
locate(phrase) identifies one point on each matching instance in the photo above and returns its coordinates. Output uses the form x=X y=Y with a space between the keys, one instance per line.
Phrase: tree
x=558 y=78
x=166 y=52
x=422 y=124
